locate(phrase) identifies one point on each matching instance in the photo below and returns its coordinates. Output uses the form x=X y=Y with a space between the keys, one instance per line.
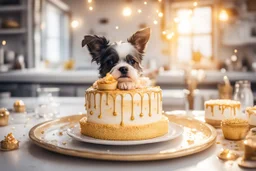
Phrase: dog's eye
x=131 y=61
x=110 y=62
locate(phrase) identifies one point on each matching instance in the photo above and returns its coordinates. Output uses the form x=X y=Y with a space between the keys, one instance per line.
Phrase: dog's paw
x=143 y=82
x=126 y=85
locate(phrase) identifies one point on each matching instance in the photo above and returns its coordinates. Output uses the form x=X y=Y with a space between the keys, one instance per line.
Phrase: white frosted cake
x=217 y=110
x=124 y=114
x=251 y=115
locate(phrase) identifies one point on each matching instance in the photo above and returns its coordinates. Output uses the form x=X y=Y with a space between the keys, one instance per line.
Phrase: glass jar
x=243 y=93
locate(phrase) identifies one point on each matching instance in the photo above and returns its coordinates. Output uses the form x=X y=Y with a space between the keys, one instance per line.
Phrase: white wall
x=112 y=9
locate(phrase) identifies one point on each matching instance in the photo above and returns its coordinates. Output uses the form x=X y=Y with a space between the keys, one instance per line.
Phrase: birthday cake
x=217 y=110
x=115 y=114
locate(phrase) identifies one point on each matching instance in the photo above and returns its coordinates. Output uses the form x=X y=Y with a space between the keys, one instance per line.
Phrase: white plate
x=175 y=130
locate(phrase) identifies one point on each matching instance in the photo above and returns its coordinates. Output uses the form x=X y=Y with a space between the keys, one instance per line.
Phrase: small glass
x=47 y=105
x=244 y=94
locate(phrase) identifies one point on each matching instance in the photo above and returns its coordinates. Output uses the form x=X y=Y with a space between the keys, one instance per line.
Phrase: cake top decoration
x=18 y=103
x=4 y=112
x=9 y=142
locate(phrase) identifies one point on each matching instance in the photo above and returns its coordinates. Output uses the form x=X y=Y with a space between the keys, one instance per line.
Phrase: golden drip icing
x=132 y=116
x=122 y=110
x=157 y=98
x=141 y=98
x=149 y=102
x=93 y=92
x=100 y=115
x=94 y=98
x=106 y=98
x=223 y=107
x=88 y=103
x=114 y=105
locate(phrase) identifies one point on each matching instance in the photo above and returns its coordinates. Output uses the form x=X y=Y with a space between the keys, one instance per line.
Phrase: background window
x=55 y=34
x=194 y=31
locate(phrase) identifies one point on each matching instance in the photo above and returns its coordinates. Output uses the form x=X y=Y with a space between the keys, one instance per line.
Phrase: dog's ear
x=96 y=45
x=139 y=39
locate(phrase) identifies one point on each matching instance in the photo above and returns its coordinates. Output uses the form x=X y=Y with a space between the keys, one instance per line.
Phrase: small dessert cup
x=4 y=116
x=19 y=106
x=110 y=86
x=234 y=129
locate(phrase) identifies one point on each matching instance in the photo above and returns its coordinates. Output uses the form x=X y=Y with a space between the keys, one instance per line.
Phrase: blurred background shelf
x=12 y=31
x=12 y=8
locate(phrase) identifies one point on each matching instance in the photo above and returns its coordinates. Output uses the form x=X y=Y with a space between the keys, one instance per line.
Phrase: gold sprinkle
x=91 y=112
x=190 y=142
x=60 y=133
x=42 y=132
x=114 y=113
x=141 y=115
x=64 y=143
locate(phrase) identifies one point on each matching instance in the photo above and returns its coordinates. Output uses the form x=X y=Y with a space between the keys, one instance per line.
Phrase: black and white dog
x=121 y=59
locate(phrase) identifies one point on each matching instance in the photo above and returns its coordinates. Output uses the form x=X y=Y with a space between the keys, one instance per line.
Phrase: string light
x=164 y=32
x=4 y=42
x=170 y=35
x=235 y=51
x=176 y=20
x=117 y=27
x=89 y=1
x=74 y=24
x=160 y=14
x=159 y=0
x=145 y=3
x=127 y=11
x=139 y=11
x=90 y=8
x=223 y=16
x=155 y=22
x=157 y=11
x=195 y=4
x=190 y=12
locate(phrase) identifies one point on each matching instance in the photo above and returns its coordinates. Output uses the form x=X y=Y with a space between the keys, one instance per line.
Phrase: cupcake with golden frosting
x=4 y=116
x=234 y=129
x=9 y=143
x=19 y=106
x=106 y=83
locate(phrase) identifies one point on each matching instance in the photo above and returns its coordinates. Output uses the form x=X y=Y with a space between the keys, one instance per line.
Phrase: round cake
x=124 y=114
x=251 y=115
x=217 y=110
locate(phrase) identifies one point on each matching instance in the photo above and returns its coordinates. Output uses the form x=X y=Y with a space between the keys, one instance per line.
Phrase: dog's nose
x=123 y=70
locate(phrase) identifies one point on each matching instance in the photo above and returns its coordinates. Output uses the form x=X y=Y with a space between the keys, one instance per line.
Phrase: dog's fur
x=119 y=56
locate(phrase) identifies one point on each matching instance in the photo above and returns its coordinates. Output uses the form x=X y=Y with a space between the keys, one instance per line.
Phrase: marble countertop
x=89 y=76
x=31 y=157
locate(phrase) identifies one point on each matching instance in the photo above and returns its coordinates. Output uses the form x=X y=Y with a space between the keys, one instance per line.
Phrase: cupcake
x=234 y=129
x=107 y=83
x=9 y=143
x=19 y=106
x=4 y=116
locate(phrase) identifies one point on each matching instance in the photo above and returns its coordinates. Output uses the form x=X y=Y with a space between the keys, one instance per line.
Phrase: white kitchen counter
x=31 y=157
x=89 y=76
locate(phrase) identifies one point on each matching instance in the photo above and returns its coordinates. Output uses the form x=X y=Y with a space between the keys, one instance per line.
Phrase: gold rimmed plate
x=174 y=131
x=52 y=135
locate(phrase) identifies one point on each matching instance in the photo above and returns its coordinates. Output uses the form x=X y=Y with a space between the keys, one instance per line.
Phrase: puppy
x=121 y=59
